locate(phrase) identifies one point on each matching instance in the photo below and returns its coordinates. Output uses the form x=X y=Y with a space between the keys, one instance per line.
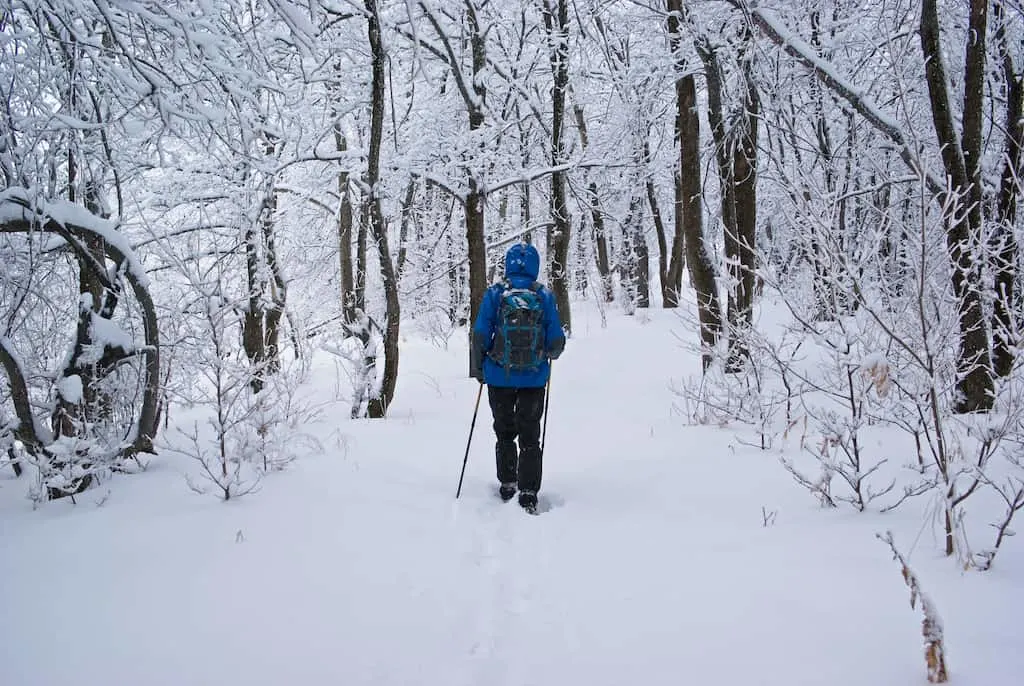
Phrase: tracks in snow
x=498 y=570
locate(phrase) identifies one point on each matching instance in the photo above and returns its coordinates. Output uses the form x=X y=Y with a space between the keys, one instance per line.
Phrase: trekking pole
x=547 y=394
x=471 y=426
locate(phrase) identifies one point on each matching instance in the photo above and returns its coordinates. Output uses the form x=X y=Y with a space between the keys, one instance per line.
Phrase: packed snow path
x=669 y=555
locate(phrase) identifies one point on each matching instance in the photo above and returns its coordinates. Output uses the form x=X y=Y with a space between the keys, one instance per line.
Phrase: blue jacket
x=522 y=265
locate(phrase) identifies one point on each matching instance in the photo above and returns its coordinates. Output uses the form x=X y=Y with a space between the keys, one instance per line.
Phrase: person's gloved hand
x=556 y=349
x=477 y=373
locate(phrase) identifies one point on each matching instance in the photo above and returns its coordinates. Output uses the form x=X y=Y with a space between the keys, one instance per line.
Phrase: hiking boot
x=528 y=501
x=507 y=491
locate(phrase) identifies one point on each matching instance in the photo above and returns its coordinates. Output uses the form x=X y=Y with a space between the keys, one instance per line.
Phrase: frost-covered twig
x=931 y=625
x=1012 y=494
x=821 y=487
x=222 y=470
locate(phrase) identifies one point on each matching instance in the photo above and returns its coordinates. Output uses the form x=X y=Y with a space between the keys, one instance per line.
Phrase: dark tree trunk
x=556 y=22
x=261 y=325
x=736 y=154
x=659 y=229
x=601 y=244
x=253 y=336
x=672 y=267
x=961 y=159
x=677 y=261
x=689 y=207
x=1006 y=303
x=744 y=178
x=698 y=254
x=345 y=222
x=477 y=251
x=643 y=267
x=475 y=236
x=359 y=301
x=73 y=416
x=659 y=232
x=403 y=231
x=596 y=217
x=378 y=405
x=278 y=286
x=25 y=430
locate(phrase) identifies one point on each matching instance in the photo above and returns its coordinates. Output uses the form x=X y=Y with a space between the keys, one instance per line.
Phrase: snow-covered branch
x=29 y=431
x=776 y=31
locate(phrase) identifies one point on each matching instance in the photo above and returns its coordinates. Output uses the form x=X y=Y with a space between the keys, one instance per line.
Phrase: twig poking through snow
x=931 y=625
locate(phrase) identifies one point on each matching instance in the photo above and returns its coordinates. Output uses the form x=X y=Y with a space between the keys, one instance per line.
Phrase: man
x=516 y=334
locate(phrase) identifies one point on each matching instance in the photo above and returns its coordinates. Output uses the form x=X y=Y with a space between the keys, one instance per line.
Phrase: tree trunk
x=1006 y=303
x=525 y=206
x=659 y=229
x=677 y=260
x=581 y=275
x=961 y=157
x=642 y=256
x=403 y=231
x=744 y=178
x=475 y=241
x=601 y=243
x=672 y=276
x=475 y=236
x=74 y=415
x=25 y=430
x=253 y=336
x=629 y=264
x=698 y=254
x=736 y=154
x=359 y=301
x=596 y=217
x=378 y=405
x=556 y=22
x=454 y=288
x=277 y=285
x=345 y=220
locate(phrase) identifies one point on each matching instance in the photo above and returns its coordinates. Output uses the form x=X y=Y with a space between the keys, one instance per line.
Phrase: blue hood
x=522 y=264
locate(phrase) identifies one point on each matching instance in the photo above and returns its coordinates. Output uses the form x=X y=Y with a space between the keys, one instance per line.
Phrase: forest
x=200 y=195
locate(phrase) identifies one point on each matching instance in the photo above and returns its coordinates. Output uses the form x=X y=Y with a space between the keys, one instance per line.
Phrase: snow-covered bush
x=245 y=430
x=870 y=384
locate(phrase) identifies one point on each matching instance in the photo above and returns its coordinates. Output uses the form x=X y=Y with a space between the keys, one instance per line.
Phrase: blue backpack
x=519 y=339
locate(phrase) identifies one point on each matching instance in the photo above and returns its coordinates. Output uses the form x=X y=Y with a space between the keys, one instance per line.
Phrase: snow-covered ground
x=654 y=564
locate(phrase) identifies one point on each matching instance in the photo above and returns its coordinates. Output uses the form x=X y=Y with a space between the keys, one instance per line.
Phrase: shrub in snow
x=761 y=394
x=869 y=381
x=246 y=432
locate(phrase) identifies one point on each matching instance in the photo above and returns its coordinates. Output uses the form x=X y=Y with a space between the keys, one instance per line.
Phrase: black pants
x=517 y=413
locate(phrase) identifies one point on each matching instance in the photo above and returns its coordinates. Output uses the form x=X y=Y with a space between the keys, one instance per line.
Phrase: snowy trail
x=653 y=565
x=491 y=591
